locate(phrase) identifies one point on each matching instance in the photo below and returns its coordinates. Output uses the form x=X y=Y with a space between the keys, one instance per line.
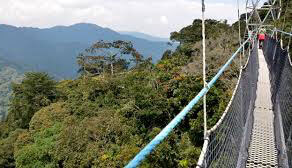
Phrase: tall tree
x=102 y=56
x=37 y=90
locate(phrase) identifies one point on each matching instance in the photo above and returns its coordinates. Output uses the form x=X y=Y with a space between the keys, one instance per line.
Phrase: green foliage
x=37 y=152
x=37 y=90
x=193 y=33
x=104 y=122
x=285 y=22
x=7 y=159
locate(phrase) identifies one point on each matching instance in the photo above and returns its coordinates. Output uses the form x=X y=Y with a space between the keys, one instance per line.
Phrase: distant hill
x=54 y=50
x=9 y=72
x=145 y=36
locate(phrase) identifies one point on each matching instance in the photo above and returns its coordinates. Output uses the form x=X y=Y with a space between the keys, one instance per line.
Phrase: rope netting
x=227 y=142
x=280 y=67
x=136 y=161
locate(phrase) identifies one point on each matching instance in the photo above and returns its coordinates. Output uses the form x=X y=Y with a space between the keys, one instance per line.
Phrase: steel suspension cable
x=204 y=67
x=281 y=31
x=239 y=33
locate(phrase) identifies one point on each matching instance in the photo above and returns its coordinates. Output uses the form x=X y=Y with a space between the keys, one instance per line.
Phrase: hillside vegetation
x=105 y=119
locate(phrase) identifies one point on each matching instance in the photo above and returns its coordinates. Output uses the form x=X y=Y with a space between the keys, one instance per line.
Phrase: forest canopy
x=105 y=116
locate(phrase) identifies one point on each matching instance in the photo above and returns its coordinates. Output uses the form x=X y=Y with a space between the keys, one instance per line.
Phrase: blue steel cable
x=165 y=132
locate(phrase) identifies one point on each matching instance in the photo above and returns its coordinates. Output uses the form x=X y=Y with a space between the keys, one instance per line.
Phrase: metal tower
x=262 y=16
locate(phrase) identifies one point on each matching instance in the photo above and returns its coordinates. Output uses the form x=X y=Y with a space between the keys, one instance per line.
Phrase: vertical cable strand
x=204 y=67
x=239 y=34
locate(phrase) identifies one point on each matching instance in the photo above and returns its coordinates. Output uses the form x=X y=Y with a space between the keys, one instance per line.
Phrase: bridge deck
x=262 y=150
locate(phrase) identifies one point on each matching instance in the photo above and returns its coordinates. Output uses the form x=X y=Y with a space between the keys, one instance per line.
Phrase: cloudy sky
x=156 y=17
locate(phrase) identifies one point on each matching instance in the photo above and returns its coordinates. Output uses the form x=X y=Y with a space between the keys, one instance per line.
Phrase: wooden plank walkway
x=262 y=150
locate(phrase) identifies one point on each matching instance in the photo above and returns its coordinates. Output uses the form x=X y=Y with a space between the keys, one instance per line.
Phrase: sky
x=155 y=17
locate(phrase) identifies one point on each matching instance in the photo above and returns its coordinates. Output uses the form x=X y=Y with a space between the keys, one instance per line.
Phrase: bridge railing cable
x=280 y=67
x=286 y=33
x=227 y=142
x=168 y=129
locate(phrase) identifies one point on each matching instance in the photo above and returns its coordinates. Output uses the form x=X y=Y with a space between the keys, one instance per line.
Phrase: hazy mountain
x=145 y=36
x=9 y=72
x=54 y=50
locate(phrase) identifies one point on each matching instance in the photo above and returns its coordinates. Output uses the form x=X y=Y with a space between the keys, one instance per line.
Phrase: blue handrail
x=165 y=132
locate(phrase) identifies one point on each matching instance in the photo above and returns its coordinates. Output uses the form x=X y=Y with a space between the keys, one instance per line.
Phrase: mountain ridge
x=54 y=49
x=144 y=36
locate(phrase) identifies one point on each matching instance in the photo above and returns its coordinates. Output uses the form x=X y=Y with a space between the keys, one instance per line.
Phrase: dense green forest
x=103 y=119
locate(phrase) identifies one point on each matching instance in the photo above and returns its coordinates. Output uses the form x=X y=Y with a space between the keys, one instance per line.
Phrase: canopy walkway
x=256 y=128
x=257 y=131
x=262 y=151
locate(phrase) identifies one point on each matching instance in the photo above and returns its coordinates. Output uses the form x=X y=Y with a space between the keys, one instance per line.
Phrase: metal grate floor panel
x=262 y=150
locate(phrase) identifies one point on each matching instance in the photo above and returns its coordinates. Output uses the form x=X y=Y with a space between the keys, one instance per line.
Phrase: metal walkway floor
x=262 y=150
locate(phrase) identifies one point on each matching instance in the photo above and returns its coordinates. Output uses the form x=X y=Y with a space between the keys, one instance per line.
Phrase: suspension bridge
x=256 y=128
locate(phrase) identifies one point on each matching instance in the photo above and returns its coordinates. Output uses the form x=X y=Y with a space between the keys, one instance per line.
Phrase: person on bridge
x=261 y=38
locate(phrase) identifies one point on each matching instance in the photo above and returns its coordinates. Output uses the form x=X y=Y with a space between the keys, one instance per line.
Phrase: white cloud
x=164 y=19
x=149 y=21
x=157 y=17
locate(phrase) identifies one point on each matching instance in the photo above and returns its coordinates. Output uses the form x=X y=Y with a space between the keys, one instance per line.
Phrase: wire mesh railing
x=280 y=67
x=136 y=161
x=227 y=142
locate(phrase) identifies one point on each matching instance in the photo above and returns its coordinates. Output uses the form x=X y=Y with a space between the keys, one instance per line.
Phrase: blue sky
x=155 y=17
